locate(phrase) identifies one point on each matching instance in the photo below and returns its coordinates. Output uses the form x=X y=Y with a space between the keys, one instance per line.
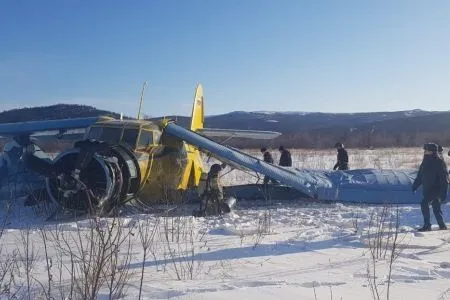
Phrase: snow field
x=263 y=250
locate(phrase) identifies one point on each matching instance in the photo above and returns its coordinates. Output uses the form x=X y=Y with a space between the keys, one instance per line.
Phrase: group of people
x=285 y=161
x=210 y=190
x=433 y=176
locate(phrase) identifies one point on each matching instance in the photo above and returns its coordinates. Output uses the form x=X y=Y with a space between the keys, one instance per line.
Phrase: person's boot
x=443 y=227
x=425 y=228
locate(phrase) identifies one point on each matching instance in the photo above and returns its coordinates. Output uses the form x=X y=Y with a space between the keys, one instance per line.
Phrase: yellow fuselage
x=167 y=165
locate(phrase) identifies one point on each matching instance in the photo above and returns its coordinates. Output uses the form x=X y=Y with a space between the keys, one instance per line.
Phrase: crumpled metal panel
x=372 y=186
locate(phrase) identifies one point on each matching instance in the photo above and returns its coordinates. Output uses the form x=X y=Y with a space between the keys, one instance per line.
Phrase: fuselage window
x=146 y=139
x=130 y=137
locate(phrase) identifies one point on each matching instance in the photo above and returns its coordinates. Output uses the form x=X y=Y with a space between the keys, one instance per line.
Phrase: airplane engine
x=94 y=176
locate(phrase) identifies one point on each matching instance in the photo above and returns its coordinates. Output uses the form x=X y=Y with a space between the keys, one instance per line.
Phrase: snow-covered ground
x=262 y=250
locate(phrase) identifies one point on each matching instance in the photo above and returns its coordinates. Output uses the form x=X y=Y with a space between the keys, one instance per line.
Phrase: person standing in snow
x=433 y=178
x=212 y=197
x=342 y=157
x=285 y=157
x=268 y=159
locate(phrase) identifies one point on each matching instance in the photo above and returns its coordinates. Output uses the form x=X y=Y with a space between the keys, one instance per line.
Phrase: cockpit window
x=145 y=139
x=95 y=133
x=111 y=135
x=130 y=136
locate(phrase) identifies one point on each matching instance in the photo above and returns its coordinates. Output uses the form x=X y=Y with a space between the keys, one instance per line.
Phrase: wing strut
x=240 y=158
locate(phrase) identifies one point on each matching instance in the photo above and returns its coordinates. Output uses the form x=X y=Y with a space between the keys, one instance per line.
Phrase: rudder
x=198 y=115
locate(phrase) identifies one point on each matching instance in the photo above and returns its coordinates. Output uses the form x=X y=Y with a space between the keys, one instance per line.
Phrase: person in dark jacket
x=342 y=157
x=266 y=155
x=433 y=178
x=268 y=159
x=285 y=157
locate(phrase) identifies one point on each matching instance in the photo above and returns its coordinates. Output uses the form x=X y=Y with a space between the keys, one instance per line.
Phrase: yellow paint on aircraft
x=167 y=165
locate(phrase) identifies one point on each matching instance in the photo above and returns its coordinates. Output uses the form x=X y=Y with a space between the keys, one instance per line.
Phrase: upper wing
x=247 y=134
x=14 y=129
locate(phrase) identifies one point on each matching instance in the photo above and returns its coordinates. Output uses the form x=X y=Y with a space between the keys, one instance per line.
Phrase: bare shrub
x=445 y=295
x=117 y=269
x=264 y=225
x=27 y=257
x=384 y=244
x=8 y=270
x=355 y=222
x=96 y=260
x=49 y=265
x=263 y=228
x=147 y=233
x=181 y=242
x=223 y=269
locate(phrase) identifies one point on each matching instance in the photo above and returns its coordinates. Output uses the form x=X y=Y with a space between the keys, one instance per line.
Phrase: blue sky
x=330 y=56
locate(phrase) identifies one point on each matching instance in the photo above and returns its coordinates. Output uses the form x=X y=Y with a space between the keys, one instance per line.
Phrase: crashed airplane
x=121 y=160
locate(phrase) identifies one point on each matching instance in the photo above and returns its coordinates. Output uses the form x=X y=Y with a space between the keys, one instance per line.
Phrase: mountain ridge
x=300 y=129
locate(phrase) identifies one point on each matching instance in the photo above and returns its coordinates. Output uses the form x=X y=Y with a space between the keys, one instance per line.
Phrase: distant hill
x=288 y=122
x=58 y=111
x=411 y=131
x=300 y=129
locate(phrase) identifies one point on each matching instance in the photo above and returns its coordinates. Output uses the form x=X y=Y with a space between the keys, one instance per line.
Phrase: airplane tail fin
x=198 y=114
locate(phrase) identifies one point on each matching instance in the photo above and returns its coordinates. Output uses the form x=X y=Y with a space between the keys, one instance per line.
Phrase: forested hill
x=58 y=111
x=300 y=129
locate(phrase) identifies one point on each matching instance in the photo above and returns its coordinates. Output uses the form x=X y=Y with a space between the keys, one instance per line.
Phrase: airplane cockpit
x=137 y=135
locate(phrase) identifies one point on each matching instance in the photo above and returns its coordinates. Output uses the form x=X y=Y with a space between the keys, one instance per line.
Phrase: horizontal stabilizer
x=14 y=129
x=234 y=133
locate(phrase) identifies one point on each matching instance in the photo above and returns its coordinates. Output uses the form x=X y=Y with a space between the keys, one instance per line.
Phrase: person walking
x=433 y=178
x=342 y=157
x=285 y=157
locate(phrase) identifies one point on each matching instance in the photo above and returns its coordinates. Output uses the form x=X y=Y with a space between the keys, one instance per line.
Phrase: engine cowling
x=93 y=178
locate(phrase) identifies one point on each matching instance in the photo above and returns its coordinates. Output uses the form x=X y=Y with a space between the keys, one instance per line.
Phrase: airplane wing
x=234 y=133
x=20 y=128
x=370 y=186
